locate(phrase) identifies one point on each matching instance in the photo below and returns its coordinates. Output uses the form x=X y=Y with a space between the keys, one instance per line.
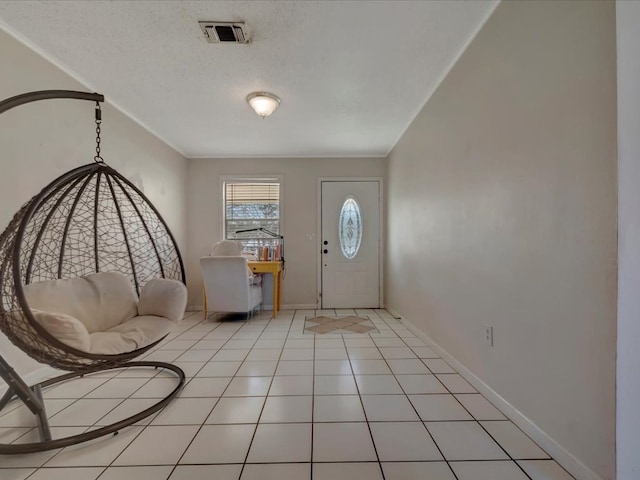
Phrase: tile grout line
x=414 y=408
x=202 y=424
x=457 y=400
x=384 y=334
x=106 y=436
x=466 y=410
x=244 y=463
x=474 y=419
x=487 y=432
x=313 y=396
x=88 y=427
x=364 y=412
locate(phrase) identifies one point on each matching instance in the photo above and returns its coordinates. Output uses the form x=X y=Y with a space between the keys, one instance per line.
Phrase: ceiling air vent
x=225 y=32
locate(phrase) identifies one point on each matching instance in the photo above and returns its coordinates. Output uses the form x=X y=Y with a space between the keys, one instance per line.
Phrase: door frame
x=380 y=181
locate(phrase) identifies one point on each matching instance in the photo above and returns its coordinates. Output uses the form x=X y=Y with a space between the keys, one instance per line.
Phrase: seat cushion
x=130 y=335
x=100 y=300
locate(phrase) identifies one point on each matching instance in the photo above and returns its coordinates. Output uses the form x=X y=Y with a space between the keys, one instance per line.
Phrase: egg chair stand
x=32 y=398
x=89 y=220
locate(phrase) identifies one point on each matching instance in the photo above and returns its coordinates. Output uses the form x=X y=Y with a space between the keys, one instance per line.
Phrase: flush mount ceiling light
x=263 y=103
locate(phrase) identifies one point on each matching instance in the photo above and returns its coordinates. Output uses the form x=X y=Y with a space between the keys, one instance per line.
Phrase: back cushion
x=100 y=300
x=226 y=248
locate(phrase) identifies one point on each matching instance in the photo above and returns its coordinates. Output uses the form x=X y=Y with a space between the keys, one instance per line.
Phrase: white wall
x=299 y=213
x=502 y=211
x=42 y=140
x=628 y=378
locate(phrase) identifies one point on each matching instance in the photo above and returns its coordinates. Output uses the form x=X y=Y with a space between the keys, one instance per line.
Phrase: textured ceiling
x=352 y=75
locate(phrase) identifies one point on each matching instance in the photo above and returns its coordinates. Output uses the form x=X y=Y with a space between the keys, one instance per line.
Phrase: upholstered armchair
x=229 y=285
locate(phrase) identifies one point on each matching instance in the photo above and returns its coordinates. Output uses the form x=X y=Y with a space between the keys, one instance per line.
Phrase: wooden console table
x=275 y=269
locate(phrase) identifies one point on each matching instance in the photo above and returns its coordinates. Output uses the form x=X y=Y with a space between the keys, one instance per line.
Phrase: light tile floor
x=264 y=400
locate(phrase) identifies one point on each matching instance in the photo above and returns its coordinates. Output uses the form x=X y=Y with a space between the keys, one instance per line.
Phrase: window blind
x=238 y=193
x=249 y=206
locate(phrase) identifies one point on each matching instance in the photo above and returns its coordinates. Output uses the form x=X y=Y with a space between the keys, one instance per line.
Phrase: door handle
x=325 y=251
x=326 y=243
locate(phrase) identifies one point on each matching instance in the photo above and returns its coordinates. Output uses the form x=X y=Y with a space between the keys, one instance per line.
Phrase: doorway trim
x=318 y=240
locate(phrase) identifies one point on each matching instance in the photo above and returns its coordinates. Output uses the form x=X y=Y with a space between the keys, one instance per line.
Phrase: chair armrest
x=163 y=298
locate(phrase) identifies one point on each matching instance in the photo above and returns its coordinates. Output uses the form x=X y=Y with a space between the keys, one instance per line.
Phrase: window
x=350 y=228
x=253 y=205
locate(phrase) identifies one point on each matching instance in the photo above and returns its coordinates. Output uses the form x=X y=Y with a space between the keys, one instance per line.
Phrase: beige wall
x=628 y=379
x=299 y=213
x=502 y=211
x=42 y=140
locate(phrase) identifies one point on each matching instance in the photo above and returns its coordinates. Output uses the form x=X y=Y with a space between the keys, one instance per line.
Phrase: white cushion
x=100 y=300
x=130 y=335
x=98 y=313
x=65 y=328
x=226 y=248
x=164 y=298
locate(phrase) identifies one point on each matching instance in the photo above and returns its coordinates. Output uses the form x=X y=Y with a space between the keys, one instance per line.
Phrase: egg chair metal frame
x=70 y=229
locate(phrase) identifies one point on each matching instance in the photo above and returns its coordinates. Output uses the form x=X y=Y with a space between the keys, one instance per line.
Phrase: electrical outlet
x=488 y=335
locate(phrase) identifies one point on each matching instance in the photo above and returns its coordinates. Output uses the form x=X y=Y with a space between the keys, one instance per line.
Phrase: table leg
x=279 y=289
x=275 y=294
x=204 y=302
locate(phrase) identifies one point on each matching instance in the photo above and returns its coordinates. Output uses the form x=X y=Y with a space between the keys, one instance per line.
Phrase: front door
x=350 y=243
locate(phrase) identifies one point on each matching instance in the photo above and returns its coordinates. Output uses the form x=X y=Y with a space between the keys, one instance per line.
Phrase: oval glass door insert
x=350 y=228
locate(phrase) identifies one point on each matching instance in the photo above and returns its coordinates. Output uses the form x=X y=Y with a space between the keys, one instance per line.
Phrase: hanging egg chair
x=91 y=219
x=89 y=229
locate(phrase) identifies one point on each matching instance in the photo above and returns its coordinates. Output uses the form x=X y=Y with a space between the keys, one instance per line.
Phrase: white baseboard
x=300 y=306
x=573 y=465
x=393 y=313
x=266 y=308
x=30 y=378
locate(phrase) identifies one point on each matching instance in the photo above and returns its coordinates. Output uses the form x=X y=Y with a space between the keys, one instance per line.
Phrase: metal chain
x=98 y=158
